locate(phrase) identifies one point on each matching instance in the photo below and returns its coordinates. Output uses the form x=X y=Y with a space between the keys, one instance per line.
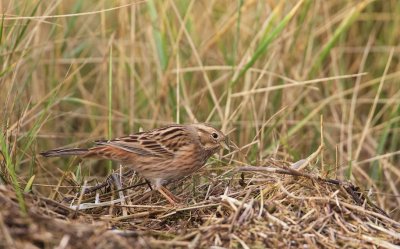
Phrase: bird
x=160 y=155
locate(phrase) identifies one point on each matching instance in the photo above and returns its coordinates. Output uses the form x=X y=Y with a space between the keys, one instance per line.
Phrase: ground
x=274 y=205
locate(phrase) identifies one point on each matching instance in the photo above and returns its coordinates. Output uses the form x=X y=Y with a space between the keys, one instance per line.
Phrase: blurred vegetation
x=268 y=70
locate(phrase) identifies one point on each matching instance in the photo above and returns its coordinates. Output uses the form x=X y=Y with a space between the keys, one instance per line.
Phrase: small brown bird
x=160 y=155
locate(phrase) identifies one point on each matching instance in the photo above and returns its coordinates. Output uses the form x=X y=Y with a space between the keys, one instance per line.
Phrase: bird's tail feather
x=64 y=152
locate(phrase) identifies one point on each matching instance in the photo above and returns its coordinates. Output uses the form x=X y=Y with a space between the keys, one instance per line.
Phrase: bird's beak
x=225 y=143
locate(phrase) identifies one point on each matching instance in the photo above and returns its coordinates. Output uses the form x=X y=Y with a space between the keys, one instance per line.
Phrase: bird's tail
x=65 y=152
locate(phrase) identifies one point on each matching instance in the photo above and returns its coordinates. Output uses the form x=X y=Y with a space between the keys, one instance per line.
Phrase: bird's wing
x=149 y=144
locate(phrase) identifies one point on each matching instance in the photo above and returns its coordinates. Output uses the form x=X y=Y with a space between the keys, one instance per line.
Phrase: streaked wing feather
x=129 y=147
x=162 y=142
x=143 y=145
x=174 y=138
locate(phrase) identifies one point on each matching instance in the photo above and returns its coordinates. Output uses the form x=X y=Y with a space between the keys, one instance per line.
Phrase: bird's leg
x=148 y=184
x=171 y=198
x=106 y=183
x=110 y=180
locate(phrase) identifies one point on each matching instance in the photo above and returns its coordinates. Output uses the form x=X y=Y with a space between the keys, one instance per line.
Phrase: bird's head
x=210 y=138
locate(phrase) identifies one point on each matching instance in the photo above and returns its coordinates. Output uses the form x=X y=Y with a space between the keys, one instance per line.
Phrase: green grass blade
x=267 y=40
x=24 y=28
x=376 y=170
x=237 y=36
x=29 y=184
x=10 y=167
x=157 y=35
x=110 y=93
x=343 y=27
x=1 y=28
x=71 y=24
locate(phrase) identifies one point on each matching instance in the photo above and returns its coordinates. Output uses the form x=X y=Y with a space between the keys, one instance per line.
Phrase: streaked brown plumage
x=159 y=155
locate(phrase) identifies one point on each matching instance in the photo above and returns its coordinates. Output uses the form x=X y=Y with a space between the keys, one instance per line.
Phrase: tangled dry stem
x=249 y=207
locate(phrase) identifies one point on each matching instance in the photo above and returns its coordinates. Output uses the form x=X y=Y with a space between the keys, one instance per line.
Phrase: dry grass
x=274 y=205
x=73 y=71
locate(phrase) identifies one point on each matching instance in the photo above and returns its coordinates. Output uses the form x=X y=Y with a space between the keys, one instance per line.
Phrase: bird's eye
x=214 y=135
